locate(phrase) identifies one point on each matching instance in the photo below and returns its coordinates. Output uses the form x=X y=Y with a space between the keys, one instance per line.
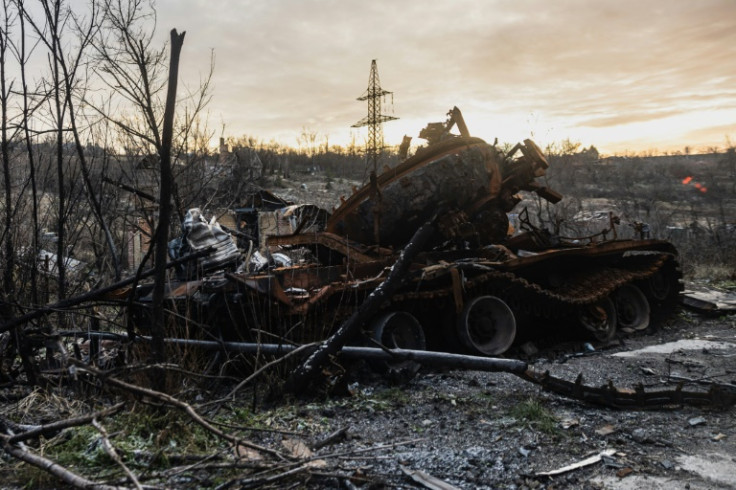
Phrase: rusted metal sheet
x=309 y=277
x=457 y=290
x=266 y=284
x=353 y=251
x=709 y=300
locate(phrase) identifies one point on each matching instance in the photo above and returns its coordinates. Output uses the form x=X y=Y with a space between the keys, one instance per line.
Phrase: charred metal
x=475 y=287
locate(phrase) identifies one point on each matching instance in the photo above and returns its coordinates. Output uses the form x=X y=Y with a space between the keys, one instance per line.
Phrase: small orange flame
x=703 y=189
x=686 y=180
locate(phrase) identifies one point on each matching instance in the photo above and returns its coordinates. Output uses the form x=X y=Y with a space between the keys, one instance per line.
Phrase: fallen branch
x=338 y=436
x=110 y=450
x=172 y=401
x=580 y=464
x=290 y=469
x=300 y=378
x=64 y=474
x=55 y=427
x=260 y=481
x=380 y=447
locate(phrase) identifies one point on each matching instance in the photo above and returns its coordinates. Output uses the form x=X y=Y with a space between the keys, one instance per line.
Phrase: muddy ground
x=489 y=430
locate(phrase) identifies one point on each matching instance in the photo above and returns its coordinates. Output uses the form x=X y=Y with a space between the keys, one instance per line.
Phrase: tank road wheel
x=658 y=286
x=632 y=308
x=662 y=289
x=486 y=326
x=599 y=319
x=398 y=329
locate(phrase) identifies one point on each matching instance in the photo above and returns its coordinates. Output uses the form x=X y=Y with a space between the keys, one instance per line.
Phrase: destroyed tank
x=475 y=287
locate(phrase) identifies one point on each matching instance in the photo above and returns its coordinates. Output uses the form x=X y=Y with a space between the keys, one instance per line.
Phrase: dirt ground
x=475 y=430
x=467 y=429
x=489 y=430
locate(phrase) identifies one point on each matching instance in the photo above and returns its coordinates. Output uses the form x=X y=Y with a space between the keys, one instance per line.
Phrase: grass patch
x=531 y=413
x=393 y=394
x=144 y=439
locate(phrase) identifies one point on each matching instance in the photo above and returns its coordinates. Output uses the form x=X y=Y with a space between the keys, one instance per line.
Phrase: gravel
x=490 y=430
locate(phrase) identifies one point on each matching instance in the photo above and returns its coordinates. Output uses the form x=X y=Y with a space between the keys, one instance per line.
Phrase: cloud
x=284 y=64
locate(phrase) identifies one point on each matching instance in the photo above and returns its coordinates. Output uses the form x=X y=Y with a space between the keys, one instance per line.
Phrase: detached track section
x=717 y=396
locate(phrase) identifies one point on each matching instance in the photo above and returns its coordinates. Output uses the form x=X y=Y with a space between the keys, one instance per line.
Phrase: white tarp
x=200 y=234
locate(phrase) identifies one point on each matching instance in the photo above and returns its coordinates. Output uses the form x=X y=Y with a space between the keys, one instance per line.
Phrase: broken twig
x=172 y=401
x=426 y=480
x=580 y=464
x=110 y=451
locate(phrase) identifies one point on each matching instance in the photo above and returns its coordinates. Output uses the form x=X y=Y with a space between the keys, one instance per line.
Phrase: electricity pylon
x=374 y=120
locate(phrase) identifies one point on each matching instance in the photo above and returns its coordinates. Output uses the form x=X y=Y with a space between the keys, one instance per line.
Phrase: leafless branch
x=64 y=474
x=110 y=450
x=63 y=424
x=174 y=402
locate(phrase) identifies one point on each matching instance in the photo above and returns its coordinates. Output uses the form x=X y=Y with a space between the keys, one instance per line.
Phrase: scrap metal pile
x=475 y=286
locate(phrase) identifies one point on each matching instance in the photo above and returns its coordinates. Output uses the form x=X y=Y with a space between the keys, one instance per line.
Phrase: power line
x=374 y=120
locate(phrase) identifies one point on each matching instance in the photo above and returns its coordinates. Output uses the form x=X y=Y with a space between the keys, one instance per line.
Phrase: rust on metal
x=457 y=290
x=306 y=283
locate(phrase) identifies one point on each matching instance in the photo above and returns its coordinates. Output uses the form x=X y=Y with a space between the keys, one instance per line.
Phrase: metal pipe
x=458 y=361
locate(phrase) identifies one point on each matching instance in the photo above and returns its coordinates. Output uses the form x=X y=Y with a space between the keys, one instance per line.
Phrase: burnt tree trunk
x=299 y=379
x=158 y=329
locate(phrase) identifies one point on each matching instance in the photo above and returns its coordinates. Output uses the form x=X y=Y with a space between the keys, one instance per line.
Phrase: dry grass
x=43 y=404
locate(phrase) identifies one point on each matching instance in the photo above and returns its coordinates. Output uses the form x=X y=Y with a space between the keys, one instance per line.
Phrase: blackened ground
x=487 y=430
x=469 y=429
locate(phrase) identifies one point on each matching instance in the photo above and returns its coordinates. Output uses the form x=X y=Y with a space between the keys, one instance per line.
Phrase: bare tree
x=21 y=56
x=9 y=252
x=135 y=72
x=162 y=236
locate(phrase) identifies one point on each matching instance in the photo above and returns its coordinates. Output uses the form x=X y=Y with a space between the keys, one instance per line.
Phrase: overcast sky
x=621 y=75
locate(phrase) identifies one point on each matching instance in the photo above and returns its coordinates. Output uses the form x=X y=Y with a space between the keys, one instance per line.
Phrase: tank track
x=587 y=287
x=717 y=396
